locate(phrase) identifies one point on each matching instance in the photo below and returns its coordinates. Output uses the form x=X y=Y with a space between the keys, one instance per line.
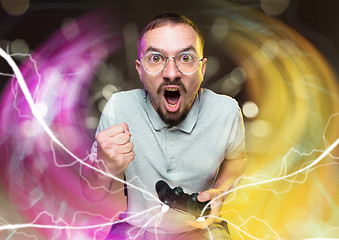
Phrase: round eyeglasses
x=155 y=62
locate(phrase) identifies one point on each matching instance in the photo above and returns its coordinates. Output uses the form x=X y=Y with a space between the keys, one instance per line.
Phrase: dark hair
x=170 y=18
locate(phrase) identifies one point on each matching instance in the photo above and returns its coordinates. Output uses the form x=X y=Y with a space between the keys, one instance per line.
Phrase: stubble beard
x=173 y=120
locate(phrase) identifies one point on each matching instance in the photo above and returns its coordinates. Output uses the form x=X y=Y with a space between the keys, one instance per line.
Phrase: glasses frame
x=166 y=61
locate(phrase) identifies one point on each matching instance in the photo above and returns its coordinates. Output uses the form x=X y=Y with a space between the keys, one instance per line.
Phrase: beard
x=173 y=120
x=170 y=118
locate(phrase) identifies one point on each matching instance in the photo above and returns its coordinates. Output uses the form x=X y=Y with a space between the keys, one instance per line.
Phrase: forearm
x=229 y=173
x=95 y=185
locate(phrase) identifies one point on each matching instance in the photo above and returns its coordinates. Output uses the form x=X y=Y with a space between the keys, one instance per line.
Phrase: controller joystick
x=177 y=199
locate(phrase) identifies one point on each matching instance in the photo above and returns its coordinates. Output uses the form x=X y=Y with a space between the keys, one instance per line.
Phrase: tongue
x=172 y=97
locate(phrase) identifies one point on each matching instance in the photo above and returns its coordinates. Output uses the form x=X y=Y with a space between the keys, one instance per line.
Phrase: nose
x=171 y=71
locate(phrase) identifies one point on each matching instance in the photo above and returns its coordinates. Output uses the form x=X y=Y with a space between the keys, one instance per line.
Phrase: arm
x=114 y=153
x=229 y=172
x=95 y=186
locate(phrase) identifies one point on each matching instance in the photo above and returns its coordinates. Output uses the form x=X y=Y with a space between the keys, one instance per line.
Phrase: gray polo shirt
x=187 y=155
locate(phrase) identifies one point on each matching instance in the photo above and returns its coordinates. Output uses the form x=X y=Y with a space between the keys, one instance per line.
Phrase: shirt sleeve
x=107 y=119
x=237 y=137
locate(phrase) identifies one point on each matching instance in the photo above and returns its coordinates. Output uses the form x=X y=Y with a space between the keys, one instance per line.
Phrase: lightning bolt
x=53 y=138
x=66 y=226
x=36 y=91
x=284 y=177
x=44 y=125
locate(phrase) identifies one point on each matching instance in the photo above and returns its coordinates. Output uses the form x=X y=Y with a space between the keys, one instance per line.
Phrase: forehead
x=171 y=39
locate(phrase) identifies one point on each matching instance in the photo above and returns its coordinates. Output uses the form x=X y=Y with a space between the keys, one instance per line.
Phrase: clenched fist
x=115 y=148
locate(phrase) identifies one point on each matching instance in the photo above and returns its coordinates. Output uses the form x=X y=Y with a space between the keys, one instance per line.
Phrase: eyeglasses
x=155 y=62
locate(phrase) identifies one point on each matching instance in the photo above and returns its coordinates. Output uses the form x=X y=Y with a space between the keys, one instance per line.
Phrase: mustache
x=176 y=82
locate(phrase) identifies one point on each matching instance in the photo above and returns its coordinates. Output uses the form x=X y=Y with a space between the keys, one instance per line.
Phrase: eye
x=155 y=58
x=186 y=58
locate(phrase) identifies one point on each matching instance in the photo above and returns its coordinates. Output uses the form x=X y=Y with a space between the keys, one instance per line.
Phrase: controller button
x=194 y=197
x=178 y=191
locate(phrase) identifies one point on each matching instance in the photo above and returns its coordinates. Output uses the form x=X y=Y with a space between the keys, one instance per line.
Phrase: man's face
x=172 y=93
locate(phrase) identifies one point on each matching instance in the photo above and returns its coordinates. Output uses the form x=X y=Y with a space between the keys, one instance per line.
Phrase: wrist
x=98 y=171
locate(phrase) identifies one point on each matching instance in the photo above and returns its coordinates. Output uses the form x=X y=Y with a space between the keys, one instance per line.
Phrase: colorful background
x=279 y=59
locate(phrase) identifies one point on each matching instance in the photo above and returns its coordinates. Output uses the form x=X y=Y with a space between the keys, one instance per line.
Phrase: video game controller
x=177 y=199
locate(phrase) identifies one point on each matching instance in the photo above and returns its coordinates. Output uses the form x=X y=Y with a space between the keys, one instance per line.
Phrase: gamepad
x=177 y=199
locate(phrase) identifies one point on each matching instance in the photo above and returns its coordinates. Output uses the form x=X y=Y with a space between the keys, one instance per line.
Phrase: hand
x=216 y=201
x=115 y=148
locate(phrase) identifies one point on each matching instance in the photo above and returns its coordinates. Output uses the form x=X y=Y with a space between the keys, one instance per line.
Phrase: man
x=173 y=131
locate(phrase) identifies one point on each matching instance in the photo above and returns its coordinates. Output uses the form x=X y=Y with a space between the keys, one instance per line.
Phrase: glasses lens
x=153 y=62
x=187 y=62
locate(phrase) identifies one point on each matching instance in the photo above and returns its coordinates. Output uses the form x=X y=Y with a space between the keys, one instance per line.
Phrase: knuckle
x=131 y=156
x=113 y=154
x=99 y=137
x=125 y=126
x=122 y=138
x=104 y=145
x=127 y=136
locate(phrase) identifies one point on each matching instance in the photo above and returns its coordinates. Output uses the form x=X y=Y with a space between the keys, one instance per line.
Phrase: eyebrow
x=153 y=49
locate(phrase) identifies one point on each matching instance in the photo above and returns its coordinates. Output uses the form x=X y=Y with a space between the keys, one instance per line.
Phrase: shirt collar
x=186 y=125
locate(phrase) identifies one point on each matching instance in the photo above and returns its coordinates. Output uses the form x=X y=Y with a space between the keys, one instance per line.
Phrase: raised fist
x=115 y=148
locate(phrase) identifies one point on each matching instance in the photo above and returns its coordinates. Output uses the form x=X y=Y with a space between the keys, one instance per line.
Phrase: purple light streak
x=41 y=180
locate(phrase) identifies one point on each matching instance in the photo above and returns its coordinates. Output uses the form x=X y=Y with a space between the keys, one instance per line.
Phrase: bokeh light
x=250 y=109
x=15 y=7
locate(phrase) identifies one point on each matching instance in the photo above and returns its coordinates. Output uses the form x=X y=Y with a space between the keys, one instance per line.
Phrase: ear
x=203 y=66
x=138 y=67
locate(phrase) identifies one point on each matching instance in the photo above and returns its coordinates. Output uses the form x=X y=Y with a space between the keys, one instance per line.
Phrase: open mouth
x=172 y=97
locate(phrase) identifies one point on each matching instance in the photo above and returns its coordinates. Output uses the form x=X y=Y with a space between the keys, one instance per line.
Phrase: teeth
x=171 y=89
x=171 y=105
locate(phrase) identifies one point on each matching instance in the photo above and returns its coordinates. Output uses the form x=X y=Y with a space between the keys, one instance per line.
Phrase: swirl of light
x=297 y=96
x=293 y=87
x=41 y=179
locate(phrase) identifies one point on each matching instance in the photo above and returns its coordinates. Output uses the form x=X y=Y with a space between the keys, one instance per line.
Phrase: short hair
x=169 y=18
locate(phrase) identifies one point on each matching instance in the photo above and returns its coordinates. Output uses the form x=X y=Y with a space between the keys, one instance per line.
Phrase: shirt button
x=171 y=143
x=172 y=160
